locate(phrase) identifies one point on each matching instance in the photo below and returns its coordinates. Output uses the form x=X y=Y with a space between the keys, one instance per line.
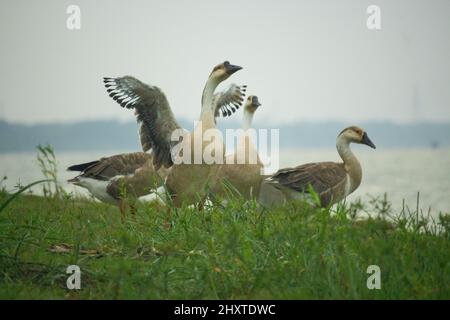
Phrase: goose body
x=109 y=179
x=330 y=180
x=158 y=123
x=244 y=174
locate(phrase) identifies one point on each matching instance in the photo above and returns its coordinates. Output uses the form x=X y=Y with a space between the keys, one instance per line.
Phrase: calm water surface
x=399 y=173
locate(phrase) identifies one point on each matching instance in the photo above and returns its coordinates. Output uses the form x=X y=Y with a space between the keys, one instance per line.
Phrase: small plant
x=381 y=205
x=49 y=166
x=21 y=189
x=2 y=187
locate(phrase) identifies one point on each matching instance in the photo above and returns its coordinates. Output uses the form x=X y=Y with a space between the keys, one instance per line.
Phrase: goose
x=243 y=173
x=134 y=173
x=108 y=178
x=330 y=180
x=185 y=180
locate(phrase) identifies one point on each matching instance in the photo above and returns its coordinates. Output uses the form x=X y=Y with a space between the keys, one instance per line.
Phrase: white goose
x=243 y=169
x=185 y=181
x=330 y=180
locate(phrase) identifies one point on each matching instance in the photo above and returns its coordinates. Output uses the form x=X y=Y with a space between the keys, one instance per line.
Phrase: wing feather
x=228 y=101
x=153 y=113
x=118 y=165
x=324 y=177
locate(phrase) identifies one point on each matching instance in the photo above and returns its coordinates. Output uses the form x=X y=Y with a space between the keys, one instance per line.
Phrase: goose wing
x=140 y=182
x=117 y=165
x=153 y=112
x=228 y=101
x=326 y=178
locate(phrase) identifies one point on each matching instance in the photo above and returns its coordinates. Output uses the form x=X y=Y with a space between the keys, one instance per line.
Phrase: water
x=401 y=173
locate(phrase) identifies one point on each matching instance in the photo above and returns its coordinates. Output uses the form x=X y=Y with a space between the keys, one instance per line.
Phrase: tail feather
x=82 y=166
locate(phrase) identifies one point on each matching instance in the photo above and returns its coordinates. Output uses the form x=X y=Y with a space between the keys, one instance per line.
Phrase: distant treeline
x=114 y=135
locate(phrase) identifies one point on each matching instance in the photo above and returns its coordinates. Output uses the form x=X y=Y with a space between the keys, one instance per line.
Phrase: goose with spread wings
x=109 y=179
x=186 y=180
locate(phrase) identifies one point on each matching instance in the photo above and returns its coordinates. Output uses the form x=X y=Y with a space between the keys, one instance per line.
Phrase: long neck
x=207 y=113
x=246 y=145
x=247 y=119
x=351 y=164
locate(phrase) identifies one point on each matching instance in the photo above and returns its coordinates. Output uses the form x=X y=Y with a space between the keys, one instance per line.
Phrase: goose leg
x=216 y=202
x=133 y=210
x=167 y=224
x=201 y=204
x=174 y=203
x=123 y=210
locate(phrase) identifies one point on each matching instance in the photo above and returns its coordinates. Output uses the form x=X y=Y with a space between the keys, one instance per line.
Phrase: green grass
x=237 y=252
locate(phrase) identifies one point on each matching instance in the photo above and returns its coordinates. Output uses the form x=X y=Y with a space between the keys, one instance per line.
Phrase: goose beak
x=365 y=140
x=255 y=102
x=230 y=68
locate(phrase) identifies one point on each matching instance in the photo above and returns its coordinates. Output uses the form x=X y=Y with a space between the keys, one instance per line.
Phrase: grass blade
x=10 y=199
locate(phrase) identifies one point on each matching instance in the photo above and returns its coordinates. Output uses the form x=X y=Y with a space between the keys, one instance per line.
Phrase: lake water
x=401 y=173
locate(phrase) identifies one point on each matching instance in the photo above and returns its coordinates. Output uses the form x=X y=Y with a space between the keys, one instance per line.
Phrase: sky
x=305 y=60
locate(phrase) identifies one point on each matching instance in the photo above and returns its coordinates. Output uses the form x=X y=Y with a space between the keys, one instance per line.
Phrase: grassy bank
x=238 y=252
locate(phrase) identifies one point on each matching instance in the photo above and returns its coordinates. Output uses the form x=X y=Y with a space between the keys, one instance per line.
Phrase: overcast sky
x=306 y=60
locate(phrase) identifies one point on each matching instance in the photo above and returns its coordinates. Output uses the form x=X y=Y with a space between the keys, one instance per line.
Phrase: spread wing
x=153 y=112
x=326 y=178
x=117 y=165
x=228 y=101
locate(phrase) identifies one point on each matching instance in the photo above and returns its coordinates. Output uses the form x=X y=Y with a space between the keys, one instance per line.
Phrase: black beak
x=255 y=102
x=365 y=140
x=230 y=68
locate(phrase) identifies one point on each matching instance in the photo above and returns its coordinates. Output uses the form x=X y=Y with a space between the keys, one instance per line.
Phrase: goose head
x=223 y=70
x=252 y=104
x=356 y=135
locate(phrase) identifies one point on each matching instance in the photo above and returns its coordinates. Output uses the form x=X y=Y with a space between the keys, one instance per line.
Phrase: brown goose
x=242 y=169
x=330 y=180
x=111 y=179
x=185 y=180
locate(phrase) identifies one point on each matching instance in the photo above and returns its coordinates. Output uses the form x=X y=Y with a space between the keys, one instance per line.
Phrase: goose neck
x=207 y=98
x=247 y=119
x=351 y=163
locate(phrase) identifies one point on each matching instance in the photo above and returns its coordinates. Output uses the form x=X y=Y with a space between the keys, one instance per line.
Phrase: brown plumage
x=327 y=179
x=153 y=112
x=112 y=179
